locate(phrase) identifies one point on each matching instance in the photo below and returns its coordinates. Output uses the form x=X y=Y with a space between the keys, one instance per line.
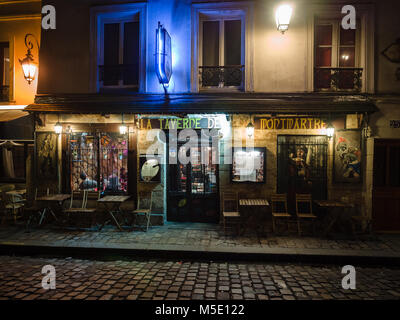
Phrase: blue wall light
x=163 y=55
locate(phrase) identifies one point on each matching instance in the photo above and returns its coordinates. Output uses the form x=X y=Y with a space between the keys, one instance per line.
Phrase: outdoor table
x=17 y=192
x=50 y=201
x=335 y=209
x=256 y=203
x=113 y=207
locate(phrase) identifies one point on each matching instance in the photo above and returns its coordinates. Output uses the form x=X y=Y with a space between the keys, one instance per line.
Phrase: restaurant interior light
x=29 y=66
x=123 y=129
x=330 y=130
x=282 y=16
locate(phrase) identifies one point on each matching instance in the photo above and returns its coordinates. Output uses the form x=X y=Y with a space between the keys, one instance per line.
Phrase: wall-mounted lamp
x=58 y=128
x=250 y=129
x=123 y=129
x=330 y=130
x=282 y=17
x=29 y=66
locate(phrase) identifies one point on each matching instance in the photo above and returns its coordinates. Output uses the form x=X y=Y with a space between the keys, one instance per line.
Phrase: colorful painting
x=347 y=156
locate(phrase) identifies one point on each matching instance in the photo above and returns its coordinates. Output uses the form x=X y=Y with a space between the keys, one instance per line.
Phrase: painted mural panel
x=46 y=158
x=347 y=156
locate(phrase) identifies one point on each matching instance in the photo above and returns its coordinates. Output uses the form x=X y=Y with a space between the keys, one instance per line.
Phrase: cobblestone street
x=21 y=278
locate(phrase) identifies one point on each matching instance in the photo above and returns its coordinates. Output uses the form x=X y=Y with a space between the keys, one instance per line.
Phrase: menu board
x=150 y=168
x=248 y=165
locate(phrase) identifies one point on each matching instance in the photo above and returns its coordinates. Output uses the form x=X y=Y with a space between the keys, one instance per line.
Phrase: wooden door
x=386 y=186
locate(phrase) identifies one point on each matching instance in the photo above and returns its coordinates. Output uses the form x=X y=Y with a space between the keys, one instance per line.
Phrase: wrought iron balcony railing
x=338 y=79
x=4 y=93
x=111 y=75
x=221 y=76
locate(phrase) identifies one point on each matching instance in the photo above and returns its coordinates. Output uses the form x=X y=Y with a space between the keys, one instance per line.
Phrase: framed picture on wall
x=150 y=168
x=46 y=157
x=347 y=159
x=248 y=166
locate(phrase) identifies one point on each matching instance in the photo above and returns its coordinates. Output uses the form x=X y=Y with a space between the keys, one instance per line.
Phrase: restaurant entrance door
x=302 y=167
x=193 y=187
x=386 y=186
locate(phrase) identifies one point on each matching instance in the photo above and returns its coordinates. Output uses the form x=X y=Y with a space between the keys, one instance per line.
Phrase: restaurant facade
x=192 y=99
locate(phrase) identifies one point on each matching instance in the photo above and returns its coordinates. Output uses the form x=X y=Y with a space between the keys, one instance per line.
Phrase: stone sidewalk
x=175 y=238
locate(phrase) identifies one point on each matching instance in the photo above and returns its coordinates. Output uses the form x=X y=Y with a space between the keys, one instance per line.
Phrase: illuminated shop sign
x=289 y=123
x=180 y=123
x=163 y=55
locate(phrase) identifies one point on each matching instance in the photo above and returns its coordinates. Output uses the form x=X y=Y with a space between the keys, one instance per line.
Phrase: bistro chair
x=34 y=211
x=81 y=211
x=279 y=210
x=230 y=210
x=144 y=207
x=304 y=210
x=11 y=206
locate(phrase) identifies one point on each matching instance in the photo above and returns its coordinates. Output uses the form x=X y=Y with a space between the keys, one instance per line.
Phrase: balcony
x=221 y=76
x=4 y=93
x=338 y=79
x=120 y=75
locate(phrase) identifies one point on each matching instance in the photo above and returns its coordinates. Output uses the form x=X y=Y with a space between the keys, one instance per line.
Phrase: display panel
x=249 y=165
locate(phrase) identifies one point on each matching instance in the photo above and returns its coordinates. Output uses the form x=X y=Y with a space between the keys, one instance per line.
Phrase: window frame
x=120 y=13
x=244 y=10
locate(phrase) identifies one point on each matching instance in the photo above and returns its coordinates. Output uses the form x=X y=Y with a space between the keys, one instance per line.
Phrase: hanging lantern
x=29 y=66
x=250 y=129
x=58 y=128
x=330 y=131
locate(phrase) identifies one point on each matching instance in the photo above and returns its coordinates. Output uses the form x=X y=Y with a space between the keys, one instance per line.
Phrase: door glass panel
x=347 y=57
x=347 y=37
x=233 y=42
x=111 y=52
x=324 y=35
x=131 y=53
x=324 y=57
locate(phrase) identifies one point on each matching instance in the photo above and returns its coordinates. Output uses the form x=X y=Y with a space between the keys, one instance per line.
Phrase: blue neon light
x=163 y=56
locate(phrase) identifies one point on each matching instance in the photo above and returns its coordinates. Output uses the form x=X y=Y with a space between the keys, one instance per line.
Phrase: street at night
x=21 y=278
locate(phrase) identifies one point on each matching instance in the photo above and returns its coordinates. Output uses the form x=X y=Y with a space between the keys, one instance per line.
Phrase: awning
x=9 y=115
x=231 y=103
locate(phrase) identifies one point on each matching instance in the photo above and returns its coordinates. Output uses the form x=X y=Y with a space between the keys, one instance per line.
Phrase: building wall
x=17 y=20
x=280 y=63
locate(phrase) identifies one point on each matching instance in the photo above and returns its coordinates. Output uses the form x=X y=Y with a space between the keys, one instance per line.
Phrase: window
x=120 y=56
x=4 y=71
x=222 y=52
x=99 y=161
x=337 y=57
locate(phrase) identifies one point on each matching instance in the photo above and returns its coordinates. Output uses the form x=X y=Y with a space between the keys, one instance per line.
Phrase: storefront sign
x=289 y=123
x=180 y=123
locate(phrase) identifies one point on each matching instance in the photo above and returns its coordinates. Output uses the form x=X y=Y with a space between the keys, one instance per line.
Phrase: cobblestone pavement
x=21 y=278
x=200 y=235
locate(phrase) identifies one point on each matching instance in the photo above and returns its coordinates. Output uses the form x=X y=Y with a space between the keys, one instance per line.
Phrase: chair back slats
x=229 y=202
x=303 y=204
x=144 y=200
x=279 y=203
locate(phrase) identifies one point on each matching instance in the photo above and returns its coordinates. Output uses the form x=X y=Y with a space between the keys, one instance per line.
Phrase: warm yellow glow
x=12 y=107
x=282 y=16
x=330 y=131
x=58 y=128
x=123 y=129
x=29 y=68
x=250 y=130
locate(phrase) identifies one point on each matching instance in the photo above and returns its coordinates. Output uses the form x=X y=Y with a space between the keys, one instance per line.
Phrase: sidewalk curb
x=275 y=255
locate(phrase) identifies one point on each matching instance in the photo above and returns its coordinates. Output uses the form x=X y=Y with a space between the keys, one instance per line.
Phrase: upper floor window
x=222 y=61
x=118 y=44
x=120 y=54
x=337 y=57
x=4 y=71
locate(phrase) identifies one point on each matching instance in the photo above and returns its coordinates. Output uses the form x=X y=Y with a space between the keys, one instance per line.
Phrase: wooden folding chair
x=144 y=207
x=11 y=209
x=279 y=209
x=305 y=212
x=230 y=210
x=82 y=211
x=35 y=210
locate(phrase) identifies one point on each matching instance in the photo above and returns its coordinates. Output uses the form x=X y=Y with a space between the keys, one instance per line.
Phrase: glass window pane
x=210 y=43
x=346 y=57
x=111 y=53
x=324 y=57
x=131 y=53
x=233 y=42
x=323 y=34
x=113 y=162
x=347 y=37
x=84 y=161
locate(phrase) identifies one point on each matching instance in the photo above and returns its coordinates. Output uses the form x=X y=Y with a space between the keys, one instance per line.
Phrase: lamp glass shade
x=123 y=129
x=250 y=129
x=330 y=131
x=282 y=16
x=29 y=67
x=58 y=128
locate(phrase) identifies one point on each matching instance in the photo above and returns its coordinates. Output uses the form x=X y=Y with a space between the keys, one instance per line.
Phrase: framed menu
x=150 y=168
x=248 y=165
